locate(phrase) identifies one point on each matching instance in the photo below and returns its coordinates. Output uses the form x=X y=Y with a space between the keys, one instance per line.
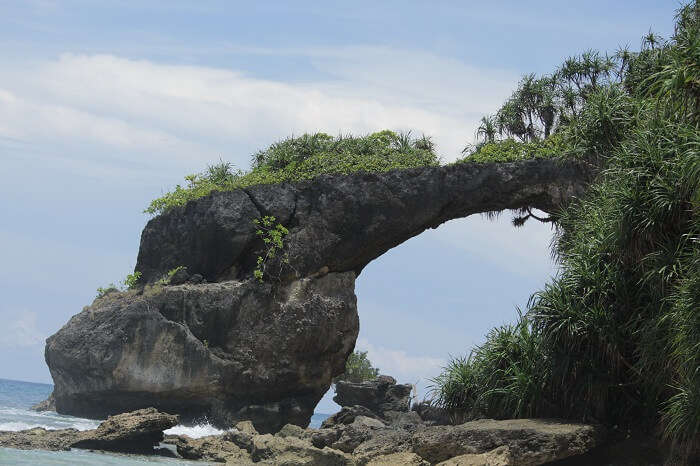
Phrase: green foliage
x=132 y=280
x=615 y=337
x=510 y=150
x=172 y=272
x=272 y=235
x=358 y=368
x=304 y=158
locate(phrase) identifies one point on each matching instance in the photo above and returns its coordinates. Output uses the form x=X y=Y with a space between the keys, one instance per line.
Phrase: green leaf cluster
x=272 y=235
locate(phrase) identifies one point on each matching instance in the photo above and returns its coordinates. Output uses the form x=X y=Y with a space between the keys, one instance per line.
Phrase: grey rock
x=48 y=404
x=195 y=279
x=432 y=414
x=179 y=277
x=342 y=222
x=211 y=448
x=409 y=421
x=135 y=432
x=379 y=395
x=39 y=438
x=228 y=351
x=269 y=449
x=529 y=441
x=383 y=442
x=347 y=415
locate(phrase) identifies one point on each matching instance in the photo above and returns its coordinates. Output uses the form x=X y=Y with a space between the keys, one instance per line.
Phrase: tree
x=358 y=368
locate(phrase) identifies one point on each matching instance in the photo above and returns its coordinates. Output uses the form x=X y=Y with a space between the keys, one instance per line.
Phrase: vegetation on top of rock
x=130 y=282
x=615 y=337
x=303 y=158
x=358 y=368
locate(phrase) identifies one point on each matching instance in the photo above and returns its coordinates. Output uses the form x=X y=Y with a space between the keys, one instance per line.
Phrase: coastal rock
x=347 y=415
x=48 y=404
x=342 y=222
x=211 y=448
x=228 y=351
x=270 y=449
x=529 y=441
x=39 y=438
x=134 y=432
x=378 y=395
x=137 y=431
x=229 y=347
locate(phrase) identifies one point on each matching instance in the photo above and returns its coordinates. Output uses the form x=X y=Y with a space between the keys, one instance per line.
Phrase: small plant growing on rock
x=111 y=288
x=358 y=368
x=272 y=235
x=132 y=280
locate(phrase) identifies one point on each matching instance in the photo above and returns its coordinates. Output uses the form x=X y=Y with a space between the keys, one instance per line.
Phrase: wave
x=196 y=431
x=14 y=419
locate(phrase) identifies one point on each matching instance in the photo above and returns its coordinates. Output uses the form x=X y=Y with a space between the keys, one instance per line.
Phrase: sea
x=17 y=397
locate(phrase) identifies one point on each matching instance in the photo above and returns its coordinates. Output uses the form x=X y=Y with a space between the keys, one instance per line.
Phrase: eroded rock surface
x=216 y=343
x=342 y=222
x=228 y=351
x=379 y=395
x=135 y=432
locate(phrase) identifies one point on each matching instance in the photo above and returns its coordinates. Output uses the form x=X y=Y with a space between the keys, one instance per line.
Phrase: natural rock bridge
x=232 y=348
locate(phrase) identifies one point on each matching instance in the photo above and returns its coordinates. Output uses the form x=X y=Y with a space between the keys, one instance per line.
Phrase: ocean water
x=17 y=397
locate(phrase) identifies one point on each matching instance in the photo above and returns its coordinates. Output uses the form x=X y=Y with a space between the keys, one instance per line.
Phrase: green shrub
x=358 y=368
x=303 y=158
x=510 y=150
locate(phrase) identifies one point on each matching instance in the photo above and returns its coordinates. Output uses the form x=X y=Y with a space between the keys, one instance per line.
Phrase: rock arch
x=232 y=348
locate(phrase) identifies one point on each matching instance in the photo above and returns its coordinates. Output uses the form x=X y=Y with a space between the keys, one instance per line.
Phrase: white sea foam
x=196 y=431
x=14 y=419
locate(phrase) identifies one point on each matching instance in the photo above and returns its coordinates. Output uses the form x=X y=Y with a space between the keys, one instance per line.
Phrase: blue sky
x=104 y=105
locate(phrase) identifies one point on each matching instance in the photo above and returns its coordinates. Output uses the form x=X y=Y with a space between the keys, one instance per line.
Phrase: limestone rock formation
x=342 y=222
x=529 y=441
x=379 y=395
x=135 y=432
x=224 y=346
x=227 y=351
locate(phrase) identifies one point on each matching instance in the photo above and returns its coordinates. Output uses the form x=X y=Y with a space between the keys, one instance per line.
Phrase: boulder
x=134 y=432
x=137 y=431
x=225 y=351
x=529 y=441
x=347 y=415
x=211 y=448
x=270 y=449
x=379 y=395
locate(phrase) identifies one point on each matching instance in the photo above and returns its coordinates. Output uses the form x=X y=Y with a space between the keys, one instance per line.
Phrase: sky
x=106 y=105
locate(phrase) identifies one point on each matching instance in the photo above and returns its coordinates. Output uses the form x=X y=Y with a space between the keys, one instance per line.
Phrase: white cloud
x=399 y=364
x=21 y=332
x=175 y=118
